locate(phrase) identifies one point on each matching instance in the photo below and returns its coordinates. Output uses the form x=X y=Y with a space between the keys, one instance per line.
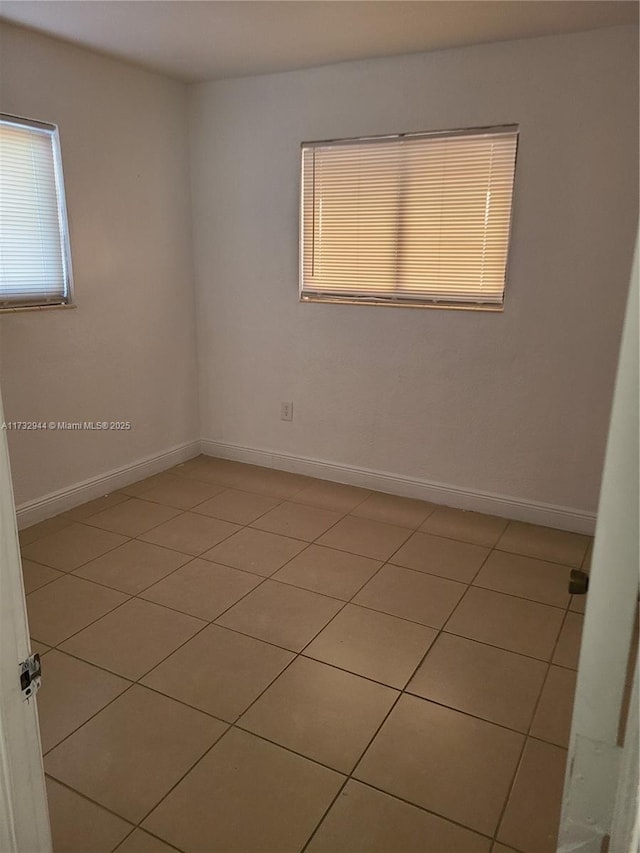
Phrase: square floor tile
x=246 y=796
x=209 y=469
x=578 y=603
x=321 y=712
x=458 y=561
x=465 y=526
x=219 y=671
x=515 y=624
x=34 y=575
x=27 y=535
x=228 y=473
x=552 y=721
x=297 y=520
x=411 y=595
x=255 y=551
x=330 y=572
x=328 y=495
x=78 y=825
x=132 y=517
x=71 y=547
x=181 y=492
x=532 y=816
x=72 y=691
x=545 y=543
x=525 y=577
x=190 y=533
x=445 y=761
x=138 y=488
x=363 y=820
x=133 y=566
x=372 y=644
x=237 y=507
x=267 y=481
x=202 y=589
x=59 y=609
x=405 y=512
x=365 y=537
x=567 y=651
x=86 y=510
x=281 y=614
x=141 y=842
x=129 y=755
x=486 y=682
x=134 y=638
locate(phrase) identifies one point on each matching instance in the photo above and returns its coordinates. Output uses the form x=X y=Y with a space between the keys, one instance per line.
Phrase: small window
x=417 y=219
x=35 y=263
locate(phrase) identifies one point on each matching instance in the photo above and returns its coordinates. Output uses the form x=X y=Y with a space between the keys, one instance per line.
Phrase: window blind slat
x=416 y=218
x=33 y=251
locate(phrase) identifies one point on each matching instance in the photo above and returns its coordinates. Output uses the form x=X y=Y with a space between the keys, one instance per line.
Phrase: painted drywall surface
x=127 y=352
x=514 y=403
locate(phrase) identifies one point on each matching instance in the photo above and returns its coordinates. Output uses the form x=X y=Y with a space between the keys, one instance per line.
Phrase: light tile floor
x=238 y=659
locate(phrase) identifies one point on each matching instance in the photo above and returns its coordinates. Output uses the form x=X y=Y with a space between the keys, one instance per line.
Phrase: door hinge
x=30 y=676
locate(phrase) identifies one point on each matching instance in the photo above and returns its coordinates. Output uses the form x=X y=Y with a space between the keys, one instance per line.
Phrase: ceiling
x=211 y=39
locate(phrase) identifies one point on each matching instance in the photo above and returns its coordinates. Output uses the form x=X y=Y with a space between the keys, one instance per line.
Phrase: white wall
x=514 y=403
x=127 y=351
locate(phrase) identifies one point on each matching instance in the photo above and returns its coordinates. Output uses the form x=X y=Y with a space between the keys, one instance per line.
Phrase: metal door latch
x=30 y=676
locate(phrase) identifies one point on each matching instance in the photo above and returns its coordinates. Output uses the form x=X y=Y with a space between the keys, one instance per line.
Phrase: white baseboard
x=64 y=499
x=506 y=506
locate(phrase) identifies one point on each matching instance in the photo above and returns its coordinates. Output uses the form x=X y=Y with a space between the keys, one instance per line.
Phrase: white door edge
x=24 y=815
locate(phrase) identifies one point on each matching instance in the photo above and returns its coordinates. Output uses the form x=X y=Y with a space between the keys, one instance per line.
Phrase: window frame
x=392 y=300
x=68 y=298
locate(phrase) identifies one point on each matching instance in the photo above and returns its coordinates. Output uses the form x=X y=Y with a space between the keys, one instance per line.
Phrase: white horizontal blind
x=413 y=219
x=34 y=265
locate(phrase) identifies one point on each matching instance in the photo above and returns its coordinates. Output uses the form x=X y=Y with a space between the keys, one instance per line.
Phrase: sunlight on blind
x=411 y=219
x=33 y=252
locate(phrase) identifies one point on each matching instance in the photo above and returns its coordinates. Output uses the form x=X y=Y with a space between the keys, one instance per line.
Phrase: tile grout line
x=526 y=739
x=192 y=557
x=129 y=594
x=379 y=728
x=153 y=835
x=404 y=691
x=307 y=542
x=279 y=746
x=89 y=800
x=138 y=681
x=238 y=718
x=234 y=630
x=526 y=734
x=296 y=653
x=400 y=695
x=225 y=486
x=87 y=521
x=411 y=531
x=382 y=722
x=137 y=538
x=301 y=653
x=109 y=811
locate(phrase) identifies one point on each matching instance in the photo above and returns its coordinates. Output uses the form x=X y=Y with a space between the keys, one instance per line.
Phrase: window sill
x=390 y=303
x=22 y=308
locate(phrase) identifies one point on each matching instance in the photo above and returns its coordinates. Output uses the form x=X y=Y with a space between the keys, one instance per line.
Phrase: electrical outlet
x=286 y=411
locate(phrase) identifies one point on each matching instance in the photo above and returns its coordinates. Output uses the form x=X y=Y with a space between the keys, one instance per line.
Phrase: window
x=35 y=264
x=416 y=219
